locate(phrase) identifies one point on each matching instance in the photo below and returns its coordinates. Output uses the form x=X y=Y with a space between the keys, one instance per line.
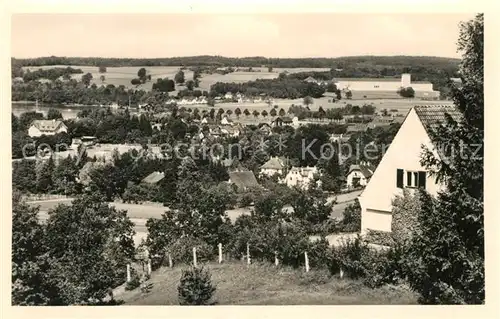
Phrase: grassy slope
x=263 y=284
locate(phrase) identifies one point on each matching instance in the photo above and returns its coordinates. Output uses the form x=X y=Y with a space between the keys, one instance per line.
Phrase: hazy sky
x=285 y=35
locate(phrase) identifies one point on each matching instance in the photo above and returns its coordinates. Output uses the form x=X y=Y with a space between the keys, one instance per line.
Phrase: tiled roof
x=47 y=125
x=432 y=116
x=273 y=163
x=366 y=170
x=243 y=179
x=153 y=178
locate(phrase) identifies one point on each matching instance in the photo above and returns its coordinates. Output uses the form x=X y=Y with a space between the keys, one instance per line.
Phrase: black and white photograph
x=214 y=159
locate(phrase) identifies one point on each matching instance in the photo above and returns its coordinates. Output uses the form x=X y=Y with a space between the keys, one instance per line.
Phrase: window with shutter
x=399 y=178
x=422 y=176
x=408 y=179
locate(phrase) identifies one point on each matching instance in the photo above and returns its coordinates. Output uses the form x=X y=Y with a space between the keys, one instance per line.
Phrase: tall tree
x=308 y=101
x=54 y=114
x=30 y=263
x=86 y=78
x=179 y=77
x=449 y=268
x=91 y=243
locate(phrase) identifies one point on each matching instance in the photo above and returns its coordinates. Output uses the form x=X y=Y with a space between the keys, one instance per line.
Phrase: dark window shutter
x=408 y=179
x=422 y=176
x=399 y=178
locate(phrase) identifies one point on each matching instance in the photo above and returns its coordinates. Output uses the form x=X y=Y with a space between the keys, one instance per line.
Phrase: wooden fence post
x=248 y=253
x=307 y=261
x=194 y=257
x=276 y=261
x=170 y=264
x=220 y=253
x=129 y=277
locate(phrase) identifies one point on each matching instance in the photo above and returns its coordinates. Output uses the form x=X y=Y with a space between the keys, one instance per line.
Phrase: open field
x=123 y=75
x=264 y=284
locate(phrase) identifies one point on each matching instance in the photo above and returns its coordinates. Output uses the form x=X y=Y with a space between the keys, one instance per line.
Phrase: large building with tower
x=374 y=85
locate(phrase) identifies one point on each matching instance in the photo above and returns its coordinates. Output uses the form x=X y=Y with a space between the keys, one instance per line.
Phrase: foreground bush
x=195 y=287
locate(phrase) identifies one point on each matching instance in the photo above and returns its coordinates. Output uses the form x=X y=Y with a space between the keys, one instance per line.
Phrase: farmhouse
x=285 y=120
x=359 y=175
x=46 y=127
x=274 y=165
x=310 y=79
x=300 y=177
x=400 y=167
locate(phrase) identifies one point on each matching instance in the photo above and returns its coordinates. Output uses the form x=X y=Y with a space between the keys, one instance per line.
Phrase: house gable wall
x=403 y=153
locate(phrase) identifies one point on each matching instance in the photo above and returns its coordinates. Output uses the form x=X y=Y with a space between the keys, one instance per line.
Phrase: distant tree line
x=276 y=88
x=206 y=60
x=50 y=74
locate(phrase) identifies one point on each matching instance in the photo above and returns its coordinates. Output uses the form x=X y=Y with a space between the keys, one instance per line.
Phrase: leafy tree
x=190 y=85
x=331 y=87
x=270 y=69
x=282 y=112
x=229 y=112
x=308 y=101
x=14 y=122
x=264 y=113
x=407 y=92
x=449 y=268
x=141 y=74
x=24 y=176
x=246 y=112
x=54 y=114
x=64 y=177
x=91 y=243
x=135 y=82
x=179 y=77
x=30 y=264
x=103 y=78
x=86 y=78
x=351 y=219
x=273 y=112
x=348 y=94
x=44 y=170
x=27 y=118
x=237 y=112
x=255 y=113
x=102 y=69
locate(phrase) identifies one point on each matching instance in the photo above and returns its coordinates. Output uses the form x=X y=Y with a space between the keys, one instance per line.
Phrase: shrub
x=348 y=257
x=135 y=280
x=379 y=237
x=319 y=253
x=195 y=287
x=246 y=200
x=182 y=250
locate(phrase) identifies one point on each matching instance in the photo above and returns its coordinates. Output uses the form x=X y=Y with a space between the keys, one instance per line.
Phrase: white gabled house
x=359 y=175
x=400 y=167
x=301 y=177
x=46 y=127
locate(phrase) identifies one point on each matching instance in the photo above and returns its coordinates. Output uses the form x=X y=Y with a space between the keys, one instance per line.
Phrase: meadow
x=123 y=75
x=265 y=284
